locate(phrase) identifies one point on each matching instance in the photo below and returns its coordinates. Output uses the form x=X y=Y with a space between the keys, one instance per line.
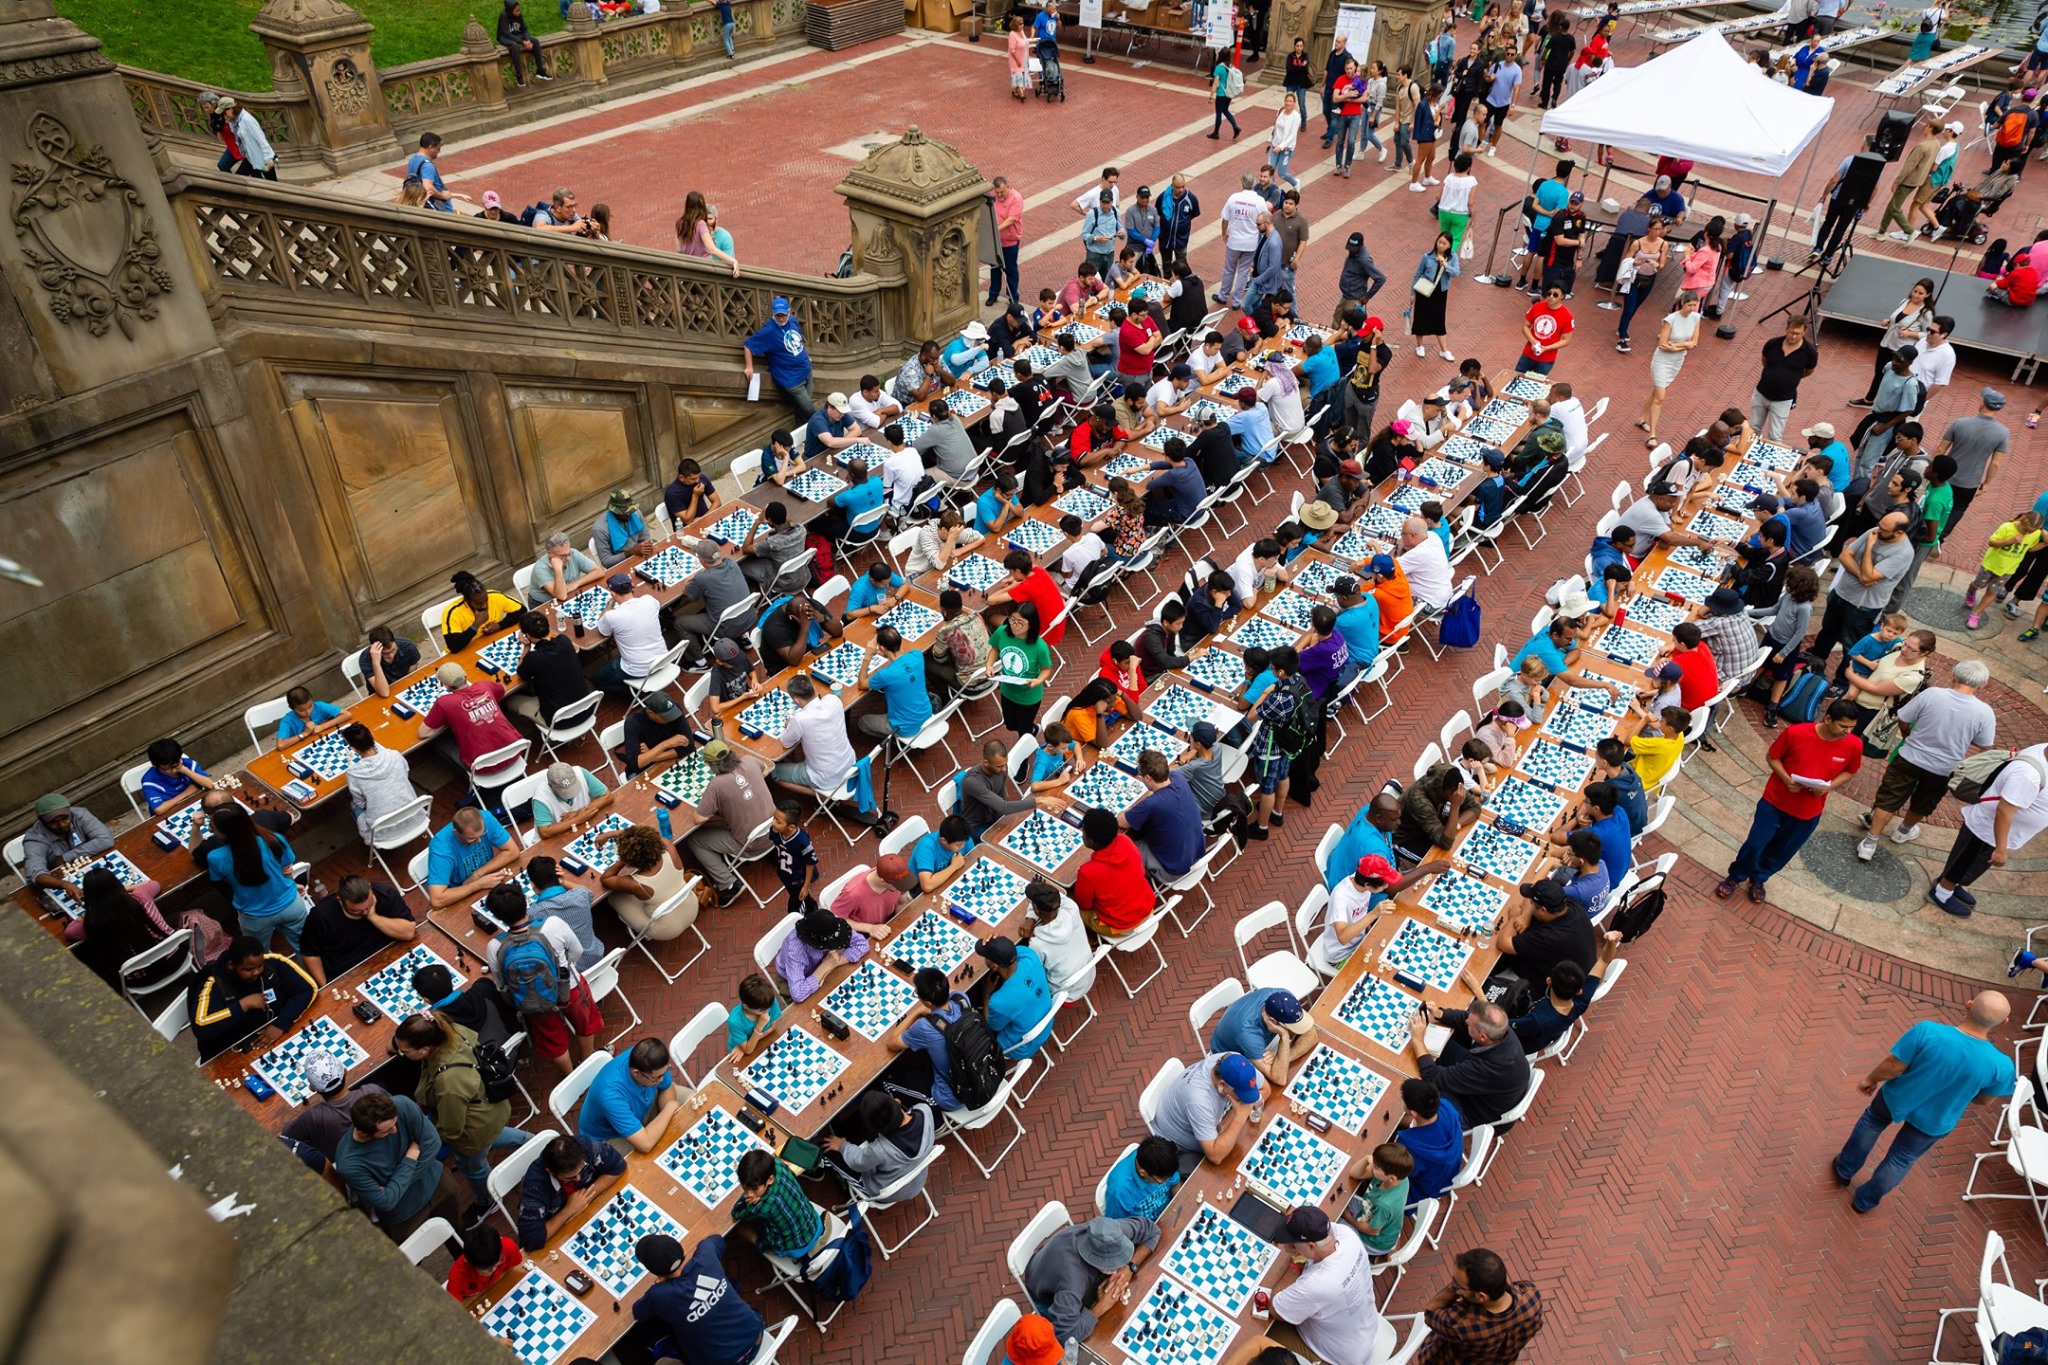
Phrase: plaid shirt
x=1462 y=1333
x=786 y=1222
x=1732 y=641
x=1274 y=709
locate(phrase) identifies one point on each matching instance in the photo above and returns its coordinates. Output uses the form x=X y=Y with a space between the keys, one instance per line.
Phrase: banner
x=1220 y=26
x=1356 y=22
x=1091 y=13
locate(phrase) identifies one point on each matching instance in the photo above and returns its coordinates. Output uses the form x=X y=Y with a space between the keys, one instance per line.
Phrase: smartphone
x=1355 y=1210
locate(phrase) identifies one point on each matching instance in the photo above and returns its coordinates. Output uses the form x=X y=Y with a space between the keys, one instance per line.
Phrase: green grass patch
x=210 y=41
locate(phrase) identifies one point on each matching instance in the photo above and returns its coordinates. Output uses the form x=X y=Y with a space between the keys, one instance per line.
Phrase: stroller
x=1961 y=211
x=1048 y=81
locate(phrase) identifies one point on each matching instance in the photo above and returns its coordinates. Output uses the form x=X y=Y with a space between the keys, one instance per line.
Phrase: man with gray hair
x=1427 y=566
x=561 y=572
x=1943 y=726
x=1241 y=214
x=819 y=729
x=1486 y=1071
x=708 y=595
x=1083 y=1271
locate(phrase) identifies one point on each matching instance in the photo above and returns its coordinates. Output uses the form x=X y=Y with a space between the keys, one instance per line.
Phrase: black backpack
x=494 y=1067
x=1635 y=916
x=1303 y=724
x=977 y=1058
x=527 y=214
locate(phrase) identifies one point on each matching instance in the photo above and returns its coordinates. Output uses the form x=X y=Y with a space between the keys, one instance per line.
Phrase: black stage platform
x=1870 y=287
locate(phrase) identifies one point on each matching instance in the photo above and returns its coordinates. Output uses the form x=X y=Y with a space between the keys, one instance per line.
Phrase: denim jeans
x=1281 y=162
x=725 y=35
x=1404 y=148
x=1773 y=838
x=1908 y=1147
x=1005 y=274
x=1633 y=300
x=477 y=1169
x=289 y=921
x=1367 y=137
x=1345 y=129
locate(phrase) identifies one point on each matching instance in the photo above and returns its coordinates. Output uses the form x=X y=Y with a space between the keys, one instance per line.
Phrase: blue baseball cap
x=778 y=304
x=1284 y=1009
x=1382 y=564
x=1235 y=1071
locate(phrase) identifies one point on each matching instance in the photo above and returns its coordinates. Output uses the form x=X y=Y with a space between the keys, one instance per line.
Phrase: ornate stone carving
x=882 y=248
x=913 y=169
x=477 y=40
x=300 y=22
x=52 y=66
x=347 y=91
x=85 y=233
x=952 y=267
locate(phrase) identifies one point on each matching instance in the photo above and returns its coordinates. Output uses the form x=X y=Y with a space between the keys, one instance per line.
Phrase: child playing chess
x=305 y=717
x=1656 y=745
x=1476 y=766
x=1119 y=663
x=1142 y=1183
x=171 y=774
x=746 y=1024
x=1380 y=1207
x=796 y=859
x=487 y=1257
x=1527 y=688
x=1055 y=763
x=1501 y=732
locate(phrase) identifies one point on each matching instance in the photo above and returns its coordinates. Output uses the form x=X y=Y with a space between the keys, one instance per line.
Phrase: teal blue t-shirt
x=1945 y=1070
x=739 y=1028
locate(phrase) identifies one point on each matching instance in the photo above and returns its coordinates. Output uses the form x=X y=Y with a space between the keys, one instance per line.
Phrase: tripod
x=1825 y=270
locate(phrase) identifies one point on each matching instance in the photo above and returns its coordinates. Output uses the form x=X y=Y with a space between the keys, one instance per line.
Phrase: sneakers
x=1952 y=905
x=2021 y=960
x=1859 y=403
x=1383 y=154
x=1727 y=888
x=1976 y=618
x=1899 y=236
x=1431 y=180
x=1905 y=834
x=1447 y=355
x=1771 y=720
x=1622 y=345
x=1970 y=599
x=1278 y=820
x=1256 y=832
x=2012 y=610
x=2030 y=633
x=1417 y=186
x=1756 y=892
x=1422 y=350
x=1867 y=850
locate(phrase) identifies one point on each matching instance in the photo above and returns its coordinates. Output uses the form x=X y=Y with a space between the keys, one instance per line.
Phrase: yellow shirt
x=460 y=620
x=1655 y=757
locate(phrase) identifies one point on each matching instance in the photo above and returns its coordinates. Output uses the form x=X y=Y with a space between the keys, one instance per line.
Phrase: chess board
x=1733 y=498
x=732 y=528
x=1172 y=1325
x=603 y=1246
x=1598 y=700
x=686 y=778
x=539 y=1317
x=1179 y=709
x=1682 y=583
x=1461 y=448
x=1702 y=561
x=1715 y=526
x=705 y=1159
x=911 y=620
x=1379 y=1010
x=840 y=665
x=1084 y=335
x=1339 y=1087
x=1035 y=537
x=114 y=861
x=989 y=891
x=1465 y=903
x=1234 y=383
x=1105 y=787
x=965 y=403
x=1302 y=331
x=988 y=374
x=815 y=485
x=391 y=989
x=421 y=697
x=1289 y=608
x=769 y=716
x=502 y=656
x=871 y=1000
x=1653 y=613
x=1263 y=633
x=1219 y=1258
x=865 y=452
x=1292 y=1164
x=1529 y=806
x=794 y=1070
x=189 y=825
x=1584 y=728
x=1755 y=477
x=1137 y=740
x=1488 y=430
x=1217 y=669
x=1427 y=954
x=588 y=605
x=1040 y=357
x=477 y=906
x=282 y=1065
x=1505 y=410
x=1356 y=547
x=1494 y=852
x=1772 y=456
x=1526 y=387
x=329 y=756
x=595 y=848
x=1381 y=520
x=932 y=940
x=977 y=573
x=1148 y=290
x=1559 y=766
x=1317 y=575
x=1207 y=407
x=1441 y=474
x=1407 y=498
x=1134 y=466
x=1085 y=503
x=1043 y=840
x=1629 y=646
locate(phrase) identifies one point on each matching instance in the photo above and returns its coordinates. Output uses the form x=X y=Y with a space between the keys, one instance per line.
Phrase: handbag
x=1427 y=285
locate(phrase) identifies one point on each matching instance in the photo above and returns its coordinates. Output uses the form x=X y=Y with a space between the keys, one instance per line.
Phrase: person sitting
x=619 y=531
x=476 y=610
x=1207 y=1107
x=709 y=599
x=940 y=853
x=1269 y=1027
x=1544 y=928
x=792 y=630
x=985 y=791
x=819 y=949
x=1082 y=1272
x=389 y=1160
x=561 y=572
x=656 y=733
x=1585 y=879
x=550 y=669
x=923 y=1070
x=693 y=495
x=569 y=904
x=1480 y=1314
x=773 y=1212
x=119 y=922
x=352 y=926
x=902 y=1137
x=1055 y=932
x=1384 y=1193
x=875 y=592
x=1114 y=895
x=305 y=717
x=1216 y=603
x=648 y=876
x=631 y=1100
x=1330 y=1303
x=747 y=1024
x=897 y=675
x=247 y=993
x=706 y=1320
x=171 y=773
x=1490 y=1073
x=385 y=659
x=767 y=556
x=466 y=857
x=572 y=1171
x=1435 y=808
x=819 y=729
x=2019 y=285
x=1166 y=822
x=1142 y=1182
x=471 y=715
x=1569 y=990
x=1434 y=1133
x=1022 y=997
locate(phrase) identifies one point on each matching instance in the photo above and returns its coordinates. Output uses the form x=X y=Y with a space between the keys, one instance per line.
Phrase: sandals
x=1649 y=444
x=1644 y=426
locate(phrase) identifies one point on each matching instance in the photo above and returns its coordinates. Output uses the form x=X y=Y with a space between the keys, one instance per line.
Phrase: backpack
x=1804 y=697
x=1975 y=775
x=2021 y=1348
x=2012 y=129
x=1233 y=82
x=1635 y=916
x=1460 y=627
x=495 y=1069
x=527 y=974
x=978 y=1069
x=531 y=211
x=1304 y=723
x=848 y=1274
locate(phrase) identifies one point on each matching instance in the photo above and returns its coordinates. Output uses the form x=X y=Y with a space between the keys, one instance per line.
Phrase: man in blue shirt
x=929 y=1076
x=1613 y=548
x=966 y=353
x=941 y=853
x=1141 y=1185
x=1806 y=524
x=464 y=857
x=1662 y=201
x=1250 y=425
x=1433 y=1131
x=631 y=1099
x=1551 y=196
x=706 y=1317
x=1364 y=837
x=1174 y=492
x=1166 y=823
x=1588 y=883
x=1611 y=765
x=1021 y=999
x=1820 y=439
x=1931 y=1076
x=874 y=592
x=997 y=506
x=1358 y=621
x=1490 y=498
x=171 y=774
x=899 y=676
x=830 y=428
x=780 y=344
x=1319 y=368
x=420 y=165
x=1269 y=1027
x=1601 y=813
x=849 y=505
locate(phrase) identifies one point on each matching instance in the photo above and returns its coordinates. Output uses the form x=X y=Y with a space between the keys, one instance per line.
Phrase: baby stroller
x=1961 y=211
x=1048 y=83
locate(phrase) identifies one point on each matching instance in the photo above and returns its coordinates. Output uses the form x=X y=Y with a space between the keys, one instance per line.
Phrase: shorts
x=1273 y=771
x=1781 y=670
x=1496 y=114
x=1913 y=787
x=549 y=1033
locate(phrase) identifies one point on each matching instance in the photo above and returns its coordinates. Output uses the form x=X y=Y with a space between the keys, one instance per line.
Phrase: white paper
x=1091 y=13
x=1819 y=784
x=754 y=388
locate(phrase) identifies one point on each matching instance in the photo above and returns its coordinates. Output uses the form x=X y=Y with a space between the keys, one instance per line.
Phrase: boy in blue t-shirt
x=1864 y=654
x=939 y=854
x=997 y=506
x=746 y=1024
x=874 y=592
x=1142 y=1183
x=305 y=716
x=1053 y=764
x=171 y=774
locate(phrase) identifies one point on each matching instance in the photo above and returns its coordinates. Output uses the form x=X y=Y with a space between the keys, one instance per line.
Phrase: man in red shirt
x=471 y=713
x=1807 y=762
x=1111 y=887
x=1698 y=678
x=1546 y=330
x=1030 y=583
x=1136 y=339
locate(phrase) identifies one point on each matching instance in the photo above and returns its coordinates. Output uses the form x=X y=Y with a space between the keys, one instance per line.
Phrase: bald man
x=1427 y=566
x=1931 y=1075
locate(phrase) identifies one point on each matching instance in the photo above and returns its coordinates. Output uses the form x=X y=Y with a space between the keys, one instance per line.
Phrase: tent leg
x=1726 y=329
x=1798 y=201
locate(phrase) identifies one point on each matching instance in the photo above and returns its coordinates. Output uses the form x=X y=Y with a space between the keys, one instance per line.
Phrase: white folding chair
x=772 y=1342
x=499 y=768
x=507 y=1174
x=603 y=983
x=1479 y=1142
x=262 y=719
x=352 y=672
x=1455 y=731
x=965 y=1121
x=572 y=723
x=1208 y=1005
x=708 y=1022
x=903 y=836
x=174 y=1018
x=1102 y=1185
x=1397 y=1260
x=1026 y=1243
x=769 y=944
x=1155 y=1089
x=180 y=942
x=787 y=1274
x=131 y=787
x=1431 y=755
x=1141 y=937
x=428 y=1238
x=893 y=1196
x=1281 y=969
x=660 y=677
x=2025 y=1154
x=1191 y=881
x=521 y=793
x=1485 y=686
x=430 y=628
x=568 y=1091
x=2002 y=1307
x=1308 y=918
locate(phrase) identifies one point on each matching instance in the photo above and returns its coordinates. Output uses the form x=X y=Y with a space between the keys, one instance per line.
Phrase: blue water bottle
x=661 y=819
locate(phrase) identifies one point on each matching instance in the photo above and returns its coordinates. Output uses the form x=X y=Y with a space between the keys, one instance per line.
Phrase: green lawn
x=209 y=40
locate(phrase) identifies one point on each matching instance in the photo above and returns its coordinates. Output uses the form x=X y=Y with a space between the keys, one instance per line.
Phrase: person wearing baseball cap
x=656 y=733
x=1082 y=1271
x=1352 y=903
x=494 y=210
x=779 y=342
x=1019 y=1009
x=1206 y=1108
x=831 y=427
x=872 y=899
x=323 y=1119
x=700 y=1309
x=1978 y=445
x=1269 y=1027
x=1326 y=1289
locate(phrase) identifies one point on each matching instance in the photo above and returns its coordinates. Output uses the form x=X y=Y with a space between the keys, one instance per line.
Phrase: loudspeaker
x=1894 y=126
x=1865 y=170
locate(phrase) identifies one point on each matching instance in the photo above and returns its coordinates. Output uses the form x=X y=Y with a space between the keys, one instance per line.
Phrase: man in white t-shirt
x=870 y=408
x=634 y=625
x=1259 y=562
x=1241 y=213
x=1329 y=1298
x=902 y=469
x=2013 y=809
x=1174 y=392
x=1083 y=549
x=1427 y=566
x=1650 y=518
x=1936 y=363
x=1570 y=413
x=1088 y=198
x=819 y=729
x=1351 y=903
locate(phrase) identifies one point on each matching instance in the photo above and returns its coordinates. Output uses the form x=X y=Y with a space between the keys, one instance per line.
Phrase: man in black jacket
x=1214 y=451
x=244 y=993
x=1159 y=646
x=1488 y=1074
x=1359 y=280
x=516 y=38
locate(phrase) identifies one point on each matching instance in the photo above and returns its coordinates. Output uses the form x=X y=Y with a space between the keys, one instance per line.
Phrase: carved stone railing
x=307 y=249
x=169 y=107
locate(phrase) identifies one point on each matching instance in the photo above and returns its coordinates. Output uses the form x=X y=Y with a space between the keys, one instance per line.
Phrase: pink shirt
x=1020 y=50
x=699 y=243
x=1010 y=204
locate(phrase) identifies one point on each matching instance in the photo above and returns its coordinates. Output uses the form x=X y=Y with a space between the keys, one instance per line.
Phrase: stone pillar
x=917 y=211
x=483 y=51
x=1402 y=28
x=322 y=47
x=585 y=50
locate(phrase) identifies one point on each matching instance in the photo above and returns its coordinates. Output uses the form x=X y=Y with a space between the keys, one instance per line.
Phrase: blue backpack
x=848 y=1274
x=1460 y=627
x=1804 y=698
x=528 y=975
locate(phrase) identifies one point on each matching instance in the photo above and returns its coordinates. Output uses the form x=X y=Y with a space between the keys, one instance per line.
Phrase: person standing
x=1906 y=326
x=1978 y=445
x=258 y=160
x=1333 y=70
x=1942 y=725
x=1178 y=209
x=1241 y=214
x=1009 y=211
x=780 y=344
x=1807 y=763
x=1298 y=77
x=1652 y=252
x=2004 y=819
x=1547 y=329
x=1556 y=48
x=1872 y=565
x=1018 y=49
x=1280 y=142
x=1454 y=202
x=1424 y=134
x=1675 y=339
x=1407 y=95
x=1350 y=96
x=1430 y=297
x=1931 y=1075
x=1914 y=169
x=1228 y=81
x=1787 y=360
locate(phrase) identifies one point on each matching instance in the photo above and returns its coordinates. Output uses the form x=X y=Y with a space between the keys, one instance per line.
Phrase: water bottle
x=717 y=725
x=668 y=832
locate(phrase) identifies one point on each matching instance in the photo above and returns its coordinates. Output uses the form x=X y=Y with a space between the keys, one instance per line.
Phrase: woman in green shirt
x=1937 y=505
x=1023 y=663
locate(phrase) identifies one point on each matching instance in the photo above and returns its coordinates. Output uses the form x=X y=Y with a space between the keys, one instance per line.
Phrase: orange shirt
x=1396 y=601
x=1084 y=724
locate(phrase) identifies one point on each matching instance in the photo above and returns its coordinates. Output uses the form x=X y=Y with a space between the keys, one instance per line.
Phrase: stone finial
x=477 y=40
x=915 y=170
x=581 y=16
x=301 y=23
